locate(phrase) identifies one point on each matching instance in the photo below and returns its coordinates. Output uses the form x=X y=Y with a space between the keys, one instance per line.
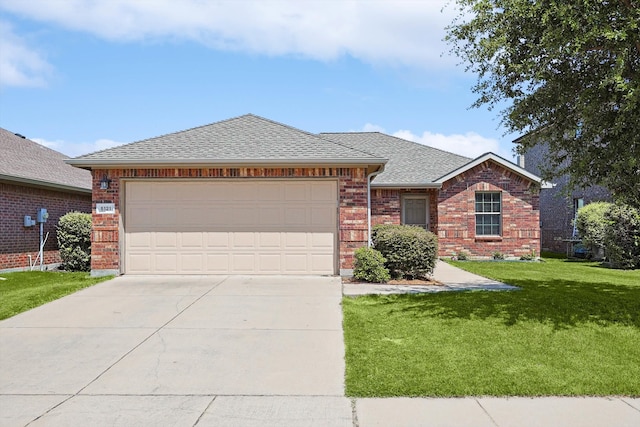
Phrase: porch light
x=104 y=183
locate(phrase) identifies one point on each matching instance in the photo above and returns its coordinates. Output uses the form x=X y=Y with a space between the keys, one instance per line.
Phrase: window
x=415 y=211
x=488 y=212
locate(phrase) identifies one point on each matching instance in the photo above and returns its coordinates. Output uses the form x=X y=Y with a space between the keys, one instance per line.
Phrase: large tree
x=569 y=71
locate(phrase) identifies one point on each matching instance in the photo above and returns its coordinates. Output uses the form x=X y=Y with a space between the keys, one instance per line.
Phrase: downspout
x=369 y=177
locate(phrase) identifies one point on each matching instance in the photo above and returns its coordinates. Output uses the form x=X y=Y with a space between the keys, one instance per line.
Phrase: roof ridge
x=168 y=134
x=24 y=138
x=399 y=139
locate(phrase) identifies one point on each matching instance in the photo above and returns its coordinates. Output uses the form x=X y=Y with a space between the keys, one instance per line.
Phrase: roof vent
x=21 y=136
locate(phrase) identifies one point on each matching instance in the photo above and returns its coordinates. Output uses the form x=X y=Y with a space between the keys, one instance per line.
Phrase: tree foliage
x=570 y=73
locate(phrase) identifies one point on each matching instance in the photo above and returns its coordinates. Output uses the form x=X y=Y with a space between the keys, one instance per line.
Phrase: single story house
x=251 y=196
x=33 y=177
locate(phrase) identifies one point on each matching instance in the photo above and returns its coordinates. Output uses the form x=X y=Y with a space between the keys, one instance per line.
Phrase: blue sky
x=84 y=75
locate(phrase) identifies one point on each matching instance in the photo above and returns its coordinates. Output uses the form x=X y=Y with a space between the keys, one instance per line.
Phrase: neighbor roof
x=410 y=164
x=244 y=140
x=27 y=162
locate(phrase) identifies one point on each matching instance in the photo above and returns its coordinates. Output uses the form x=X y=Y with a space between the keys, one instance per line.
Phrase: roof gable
x=245 y=140
x=28 y=162
x=497 y=159
x=410 y=164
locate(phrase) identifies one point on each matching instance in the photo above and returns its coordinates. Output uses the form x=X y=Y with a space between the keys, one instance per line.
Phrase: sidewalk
x=450 y=278
x=499 y=412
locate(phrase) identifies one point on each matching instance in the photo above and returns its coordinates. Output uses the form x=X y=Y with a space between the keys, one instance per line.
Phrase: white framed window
x=415 y=210
x=488 y=213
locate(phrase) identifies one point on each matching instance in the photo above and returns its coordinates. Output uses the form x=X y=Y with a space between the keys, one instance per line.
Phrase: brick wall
x=18 y=242
x=105 y=253
x=386 y=206
x=520 y=213
x=556 y=204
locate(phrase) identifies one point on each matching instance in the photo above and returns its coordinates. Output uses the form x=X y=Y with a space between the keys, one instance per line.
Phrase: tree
x=570 y=74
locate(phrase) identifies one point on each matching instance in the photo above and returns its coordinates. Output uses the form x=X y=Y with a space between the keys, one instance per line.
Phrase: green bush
x=411 y=251
x=369 y=266
x=74 y=241
x=591 y=225
x=498 y=255
x=622 y=236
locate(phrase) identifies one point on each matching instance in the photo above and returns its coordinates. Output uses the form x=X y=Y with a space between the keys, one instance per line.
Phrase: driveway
x=215 y=350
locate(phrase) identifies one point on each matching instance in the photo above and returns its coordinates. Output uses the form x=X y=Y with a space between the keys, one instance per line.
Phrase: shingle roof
x=246 y=139
x=26 y=161
x=409 y=163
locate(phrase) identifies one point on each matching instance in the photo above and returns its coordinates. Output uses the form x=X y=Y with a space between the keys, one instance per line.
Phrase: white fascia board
x=88 y=164
x=494 y=157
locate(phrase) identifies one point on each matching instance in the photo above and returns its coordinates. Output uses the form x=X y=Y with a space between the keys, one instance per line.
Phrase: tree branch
x=630 y=6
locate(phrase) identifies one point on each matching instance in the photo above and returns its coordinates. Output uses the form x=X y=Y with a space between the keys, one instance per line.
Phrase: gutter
x=369 y=177
x=100 y=164
x=44 y=184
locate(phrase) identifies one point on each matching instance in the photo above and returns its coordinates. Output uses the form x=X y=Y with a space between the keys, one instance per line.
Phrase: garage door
x=230 y=227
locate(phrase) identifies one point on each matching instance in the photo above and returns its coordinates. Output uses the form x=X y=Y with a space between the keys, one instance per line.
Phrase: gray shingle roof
x=409 y=163
x=246 y=139
x=26 y=161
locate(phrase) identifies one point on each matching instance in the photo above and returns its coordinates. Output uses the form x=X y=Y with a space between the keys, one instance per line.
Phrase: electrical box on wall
x=28 y=222
x=42 y=215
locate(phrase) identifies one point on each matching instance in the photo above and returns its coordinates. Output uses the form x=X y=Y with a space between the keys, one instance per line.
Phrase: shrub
x=74 y=241
x=498 y=255
x=410 y=251
x=591 y=225
x=622 y=236
x=462 y=256
x=531 y=256
x=369 y=266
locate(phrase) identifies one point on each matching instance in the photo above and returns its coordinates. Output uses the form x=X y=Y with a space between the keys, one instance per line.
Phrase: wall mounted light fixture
x=104 y=183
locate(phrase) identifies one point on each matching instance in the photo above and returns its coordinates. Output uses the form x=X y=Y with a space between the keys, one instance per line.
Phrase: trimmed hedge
x=369 y=266
x=622 y=236
x=74 y=241
x=591 y=225
x=411 y=251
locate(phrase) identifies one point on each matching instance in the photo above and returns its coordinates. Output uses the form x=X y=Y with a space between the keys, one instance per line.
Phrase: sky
x=85 y=75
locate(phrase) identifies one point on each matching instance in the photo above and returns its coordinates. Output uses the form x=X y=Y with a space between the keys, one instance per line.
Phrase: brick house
x=559 y=204
x=33 y=177
x=251 y=196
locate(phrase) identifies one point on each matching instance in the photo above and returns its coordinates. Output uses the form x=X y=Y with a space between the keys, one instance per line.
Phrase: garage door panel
x=164 y=240
x=192 y=240
x=242 y=240
x=243 y=263
x=268 y=240
x=223 y=227
x=139 y=240
x=166 y=262
x=269 y=263
x=217 y=263
x=191 y=262
x=219 y=240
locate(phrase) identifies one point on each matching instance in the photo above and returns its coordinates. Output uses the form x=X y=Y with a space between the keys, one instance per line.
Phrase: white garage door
x=230 y=227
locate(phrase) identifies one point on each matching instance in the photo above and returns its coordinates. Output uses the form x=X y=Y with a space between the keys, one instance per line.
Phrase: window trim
x=403 y=209
x=498 y=214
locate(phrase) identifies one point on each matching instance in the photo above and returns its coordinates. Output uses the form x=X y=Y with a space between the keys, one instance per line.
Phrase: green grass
x=23 y=291
x=573 y=329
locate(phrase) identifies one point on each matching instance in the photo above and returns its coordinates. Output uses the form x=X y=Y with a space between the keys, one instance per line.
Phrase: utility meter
x=42 y=215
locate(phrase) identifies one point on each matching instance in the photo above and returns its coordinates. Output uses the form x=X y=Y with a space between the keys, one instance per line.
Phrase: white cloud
x=391 y=32
x=75 y=149
x=20 y=65
x=469 y=144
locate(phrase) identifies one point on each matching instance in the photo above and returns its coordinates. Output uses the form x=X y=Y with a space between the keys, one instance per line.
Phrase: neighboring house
x=33 y=177
x=251 y=196
x=559 y=204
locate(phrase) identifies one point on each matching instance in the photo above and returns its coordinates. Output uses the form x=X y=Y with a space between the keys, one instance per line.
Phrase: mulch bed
x=404 y=282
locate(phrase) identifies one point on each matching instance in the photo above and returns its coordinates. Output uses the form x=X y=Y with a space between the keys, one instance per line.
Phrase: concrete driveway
x=215 y=350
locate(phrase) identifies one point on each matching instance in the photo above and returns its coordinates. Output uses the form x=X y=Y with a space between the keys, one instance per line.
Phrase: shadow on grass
x=564 y=304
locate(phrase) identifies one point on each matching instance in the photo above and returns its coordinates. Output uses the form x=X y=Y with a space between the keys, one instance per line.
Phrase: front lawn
x=573 y=329
x=25 y=290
